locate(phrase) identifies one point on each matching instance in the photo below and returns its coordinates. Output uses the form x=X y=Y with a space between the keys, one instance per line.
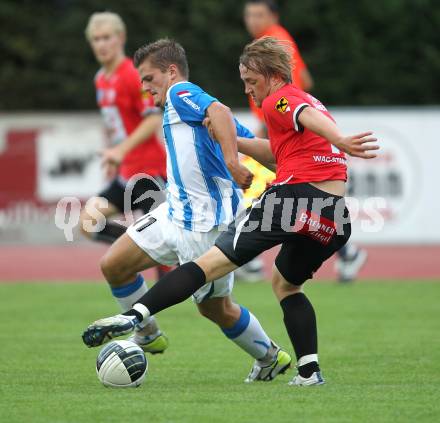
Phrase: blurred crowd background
x=360 y=53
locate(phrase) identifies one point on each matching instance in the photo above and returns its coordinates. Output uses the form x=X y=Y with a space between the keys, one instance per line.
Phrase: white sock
x=128 y=295
x=306 y=359
x=249 y=335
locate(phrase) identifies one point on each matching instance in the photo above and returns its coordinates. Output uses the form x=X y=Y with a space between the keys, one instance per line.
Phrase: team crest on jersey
x=282 y=105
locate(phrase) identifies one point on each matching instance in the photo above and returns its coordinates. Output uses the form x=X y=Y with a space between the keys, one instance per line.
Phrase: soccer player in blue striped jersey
x=203 y=194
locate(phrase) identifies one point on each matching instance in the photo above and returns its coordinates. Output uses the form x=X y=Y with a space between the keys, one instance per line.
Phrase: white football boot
x=314 y=379
x=349 y=268
x=280 y=364
x=108 y=328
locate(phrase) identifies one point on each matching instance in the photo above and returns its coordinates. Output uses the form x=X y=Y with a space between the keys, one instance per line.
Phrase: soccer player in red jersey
x=131 y=121
x=303 y=211
x=261 y=18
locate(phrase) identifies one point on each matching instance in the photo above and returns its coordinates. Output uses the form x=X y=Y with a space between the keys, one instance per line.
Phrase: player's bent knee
x=106 y=267
x=282 y=290
x=281 y=287
x=113 y=270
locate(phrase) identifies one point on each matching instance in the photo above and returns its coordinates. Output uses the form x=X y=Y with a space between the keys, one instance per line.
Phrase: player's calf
x=221 y=310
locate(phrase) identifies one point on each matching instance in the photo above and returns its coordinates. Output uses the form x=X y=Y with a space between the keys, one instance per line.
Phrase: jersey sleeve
x=285 y=112
x=190 y=102
x=242 y=131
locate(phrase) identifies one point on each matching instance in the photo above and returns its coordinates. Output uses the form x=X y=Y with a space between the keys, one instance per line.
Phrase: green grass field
x=379 y=351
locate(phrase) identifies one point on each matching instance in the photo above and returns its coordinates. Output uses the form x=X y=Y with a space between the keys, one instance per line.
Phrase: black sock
x=308 y=369
x=174 y=287
x=111 y=232
x=300 y=322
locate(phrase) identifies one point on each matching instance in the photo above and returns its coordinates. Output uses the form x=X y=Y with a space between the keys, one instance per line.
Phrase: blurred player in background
x=131 y=121
x=303 y=211
x=201 y=197
x=261 y=19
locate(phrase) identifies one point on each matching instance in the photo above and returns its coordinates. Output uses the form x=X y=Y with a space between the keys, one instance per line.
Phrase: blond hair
x=269 y=57
x=100 y=18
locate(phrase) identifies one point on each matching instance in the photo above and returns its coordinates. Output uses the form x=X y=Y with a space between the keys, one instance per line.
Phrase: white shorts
x=170 y=244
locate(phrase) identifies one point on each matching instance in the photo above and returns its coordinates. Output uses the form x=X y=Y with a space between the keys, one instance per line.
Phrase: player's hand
x=113 y=155
x=360 y=145
x=207 y=124
x=242 y=175
x=111 y=158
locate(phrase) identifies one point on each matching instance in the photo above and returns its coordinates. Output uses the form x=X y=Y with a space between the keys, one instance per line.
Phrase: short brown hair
x=163 y=53
x=269 y=57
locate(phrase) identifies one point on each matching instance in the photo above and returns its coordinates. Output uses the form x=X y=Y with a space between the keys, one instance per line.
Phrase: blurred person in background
x=131 y=121
x=261 y=18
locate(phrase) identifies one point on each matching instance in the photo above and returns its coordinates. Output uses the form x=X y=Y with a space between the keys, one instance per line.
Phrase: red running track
x=81 y=263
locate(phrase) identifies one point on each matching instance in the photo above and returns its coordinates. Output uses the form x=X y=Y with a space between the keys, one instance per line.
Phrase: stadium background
x=376 y=66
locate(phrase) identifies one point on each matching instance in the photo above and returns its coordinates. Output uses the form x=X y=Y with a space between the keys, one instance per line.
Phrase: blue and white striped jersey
x=200 y=191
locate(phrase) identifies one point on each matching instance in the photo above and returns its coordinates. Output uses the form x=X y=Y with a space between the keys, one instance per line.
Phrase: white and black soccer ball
x=121 y=364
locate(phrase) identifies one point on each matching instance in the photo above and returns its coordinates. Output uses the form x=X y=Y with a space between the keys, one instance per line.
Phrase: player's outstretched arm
x=259 y=149
x=223 y=126
x=359 y=145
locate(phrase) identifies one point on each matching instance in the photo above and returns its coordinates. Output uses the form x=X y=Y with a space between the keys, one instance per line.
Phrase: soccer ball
x=121 y=364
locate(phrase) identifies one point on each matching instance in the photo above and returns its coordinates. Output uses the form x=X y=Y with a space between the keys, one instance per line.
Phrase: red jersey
x=123 y=106
x=301 y=155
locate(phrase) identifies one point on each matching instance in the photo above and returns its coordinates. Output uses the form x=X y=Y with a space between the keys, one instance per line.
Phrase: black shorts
x=310 y=224
x=142 y=196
